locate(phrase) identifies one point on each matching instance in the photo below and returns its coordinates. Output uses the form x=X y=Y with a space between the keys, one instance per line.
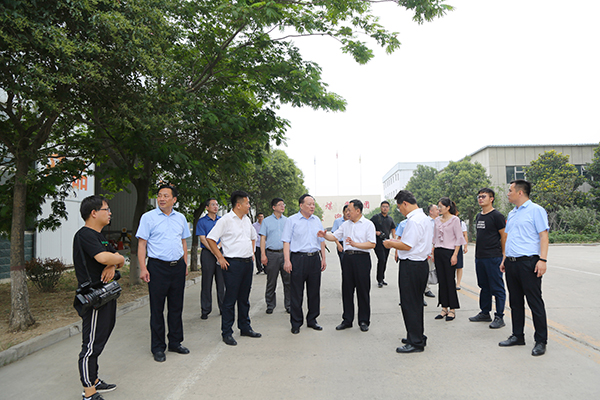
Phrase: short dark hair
x=384 y=202
x=207 y=202
x=345 y=208
x=236 y=196
x=304 y=196
x=174 y=191
x=405 y=196
x=276 y=200
x=357 y=204
x=449 y=203
x=257 y=214
x=489 y=191
x=522 y=184
x=89 y=204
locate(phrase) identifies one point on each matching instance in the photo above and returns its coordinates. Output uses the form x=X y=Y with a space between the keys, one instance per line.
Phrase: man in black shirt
x=385 y=228
x=95 y=260
x=489 y=249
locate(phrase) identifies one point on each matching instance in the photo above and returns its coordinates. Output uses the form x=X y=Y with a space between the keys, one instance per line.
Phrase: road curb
x=32 y=345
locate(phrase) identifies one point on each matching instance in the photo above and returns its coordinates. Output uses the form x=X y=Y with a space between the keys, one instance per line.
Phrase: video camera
x=98 y=294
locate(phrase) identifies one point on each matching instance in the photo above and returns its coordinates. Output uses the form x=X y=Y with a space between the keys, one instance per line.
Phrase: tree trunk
x=20 y=315
x=142 y=187
x=194 y=255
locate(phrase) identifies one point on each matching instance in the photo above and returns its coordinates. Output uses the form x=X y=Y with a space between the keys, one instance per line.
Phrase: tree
x=423 y=184
x=593 y=178
x=554 y=181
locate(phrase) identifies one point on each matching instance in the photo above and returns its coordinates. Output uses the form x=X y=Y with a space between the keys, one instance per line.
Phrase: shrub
x=44 y=274
x=578 y=220
x=564 y=237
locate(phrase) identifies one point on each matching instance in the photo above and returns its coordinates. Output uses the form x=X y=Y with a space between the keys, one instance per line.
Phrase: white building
x=397 y=177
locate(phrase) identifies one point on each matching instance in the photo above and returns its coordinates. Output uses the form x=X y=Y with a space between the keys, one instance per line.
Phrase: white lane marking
x=575 y=270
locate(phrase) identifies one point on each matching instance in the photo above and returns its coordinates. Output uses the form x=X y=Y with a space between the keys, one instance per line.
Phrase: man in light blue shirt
x=524 y=262
x=302 y=259
x=271 y=248
x=336 y=224
x=162 y=235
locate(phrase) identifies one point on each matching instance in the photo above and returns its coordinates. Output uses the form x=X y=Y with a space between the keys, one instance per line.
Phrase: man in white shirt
x=238 y=238
x=358 y=236
x=413 y=250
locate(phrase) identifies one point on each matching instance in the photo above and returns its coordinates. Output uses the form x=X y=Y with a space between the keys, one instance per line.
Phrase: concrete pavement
x=462 y=359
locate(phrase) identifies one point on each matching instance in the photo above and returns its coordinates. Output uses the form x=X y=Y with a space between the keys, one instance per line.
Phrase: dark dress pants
x=382 y=256
x=274 y=268
x=412 y=279
x=523 y=283
x=356 y=274
x=210 y=270
x=257 y=258
x=238 y=282
x=166 y=283
x=95 y=330
x=305 y=269
x=489 y=279
x=447 y=296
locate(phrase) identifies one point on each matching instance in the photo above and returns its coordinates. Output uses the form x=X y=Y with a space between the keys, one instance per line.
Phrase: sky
x=488 y=73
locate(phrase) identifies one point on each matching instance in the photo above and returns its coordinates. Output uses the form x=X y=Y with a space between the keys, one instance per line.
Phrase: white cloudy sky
x=490 y=72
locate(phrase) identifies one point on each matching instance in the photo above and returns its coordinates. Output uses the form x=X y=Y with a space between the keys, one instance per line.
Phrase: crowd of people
x=293 y=249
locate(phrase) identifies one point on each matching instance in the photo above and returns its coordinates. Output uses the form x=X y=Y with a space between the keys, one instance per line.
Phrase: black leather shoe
x=409 y=348
x=384 y=283
x=269 y=311
x=251 y=333
x=159 y=356
x=287 y=310
x=429 y=293
x=342 y=326
x=295 y=331
x=204 y=316
x=364 y=327
x=424 y=303
x=379 y=284
x=316 y=327
x=180 y=349
x=539 y=349
x=229 y=340
x=404 y=341
x=512 y=341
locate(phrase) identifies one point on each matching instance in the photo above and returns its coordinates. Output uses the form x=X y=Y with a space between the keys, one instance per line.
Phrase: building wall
x=5 y=253
x=332 y=206
x=397 y=177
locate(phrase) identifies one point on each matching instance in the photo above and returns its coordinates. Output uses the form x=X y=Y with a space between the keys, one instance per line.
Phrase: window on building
x=515 y=172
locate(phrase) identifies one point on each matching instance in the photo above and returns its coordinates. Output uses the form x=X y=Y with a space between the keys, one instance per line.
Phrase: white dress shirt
x=236 y=235
x=418 y=234
x=360 y=232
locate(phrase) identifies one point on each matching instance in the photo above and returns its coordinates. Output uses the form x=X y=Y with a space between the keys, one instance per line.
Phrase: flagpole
x=360 y=172
x=315 y=188
x=337 y=161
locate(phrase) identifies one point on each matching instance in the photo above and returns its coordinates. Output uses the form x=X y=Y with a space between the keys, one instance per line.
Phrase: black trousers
x=447 y=296
x=258 y=258
x=96 y=328
x=210 y=270
x=356 y=274
x=412 y=279
x=166 y=283
x=307 y=270
x=523 y=283
x=382 y=256
x=238 y=282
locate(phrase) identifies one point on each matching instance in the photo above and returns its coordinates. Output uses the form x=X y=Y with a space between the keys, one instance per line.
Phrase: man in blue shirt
x=301 y=248
x=271 y=248
x=162 y=235
x=208 y=260
x=336 y=224
x=524 y=262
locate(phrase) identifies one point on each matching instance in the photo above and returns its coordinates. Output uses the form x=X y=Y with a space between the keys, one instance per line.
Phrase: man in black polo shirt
x=385 y=228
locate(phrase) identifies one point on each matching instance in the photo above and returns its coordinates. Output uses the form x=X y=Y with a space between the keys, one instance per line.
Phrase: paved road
x=462 y=359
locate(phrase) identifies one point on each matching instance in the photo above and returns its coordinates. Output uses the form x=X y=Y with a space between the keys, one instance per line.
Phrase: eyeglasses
x=105 y=209
x=482 y=196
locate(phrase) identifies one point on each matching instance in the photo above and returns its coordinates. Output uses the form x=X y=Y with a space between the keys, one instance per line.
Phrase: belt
x=299 y=253
x=170 y=263
x=513 y=259
x=245 y=259
x=354 y=252
x=275 y=251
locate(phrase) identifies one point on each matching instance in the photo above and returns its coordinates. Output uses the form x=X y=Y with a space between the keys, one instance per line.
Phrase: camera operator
x=95 y=261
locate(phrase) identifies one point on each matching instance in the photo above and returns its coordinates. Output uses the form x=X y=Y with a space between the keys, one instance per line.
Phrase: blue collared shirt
x=272 y=228
x=164 y=234
x=400 y=227
x=523 y=228
x=301 y=233
x=337 y=223
x=205 y=224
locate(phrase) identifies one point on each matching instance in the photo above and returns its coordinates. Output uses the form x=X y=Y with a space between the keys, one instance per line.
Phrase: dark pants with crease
x=523 y=284
x=210 y=270
x=356 y=274
x=274 y=268
x=238 y=282
x=382 y=256
x=305 y=269
x=166 y=283
x=412 y=279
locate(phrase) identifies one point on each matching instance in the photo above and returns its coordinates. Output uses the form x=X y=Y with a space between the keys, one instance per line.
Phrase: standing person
x=257 y=254
x=302 y=260
x=358 y=236
x=433 y=211
x=162 y=236
x=271 y=248
x=336 y=224
x=489 y=248
x=447 y=239
x=525 y=264
x=413 y=249
x=460 y=263
x=94 y=260
x=385 y=228
x=237 y=236
x=210 y=269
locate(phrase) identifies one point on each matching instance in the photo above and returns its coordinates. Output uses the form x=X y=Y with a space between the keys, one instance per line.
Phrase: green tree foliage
x=423 y=184
x=593 y=178
x=554 y=181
